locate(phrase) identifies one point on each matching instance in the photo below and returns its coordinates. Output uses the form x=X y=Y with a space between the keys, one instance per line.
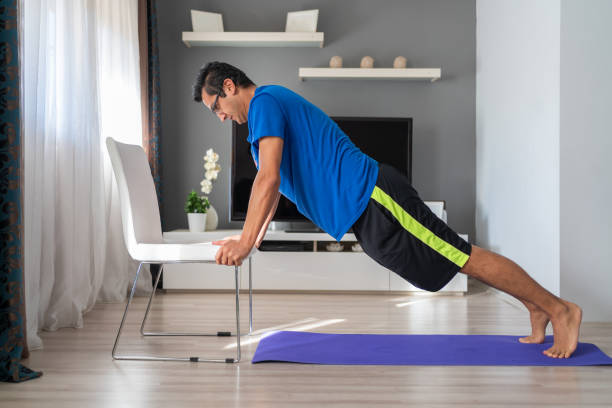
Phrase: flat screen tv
x=387 y=140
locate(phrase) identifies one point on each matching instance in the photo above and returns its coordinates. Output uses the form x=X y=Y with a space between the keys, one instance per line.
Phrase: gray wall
x=430 y=33
x=586 y=149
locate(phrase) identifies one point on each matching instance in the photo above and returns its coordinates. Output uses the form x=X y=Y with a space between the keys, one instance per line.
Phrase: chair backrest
x=139 y=209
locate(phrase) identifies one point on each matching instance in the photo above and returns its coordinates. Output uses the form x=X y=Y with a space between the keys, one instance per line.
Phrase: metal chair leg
x=115 y=356
x=159 y=274
x=192 y=359
x=250 y=299
x=237 y=269
x=218 y=334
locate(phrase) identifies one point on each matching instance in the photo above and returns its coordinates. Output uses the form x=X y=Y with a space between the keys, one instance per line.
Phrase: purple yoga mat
x=416 y=349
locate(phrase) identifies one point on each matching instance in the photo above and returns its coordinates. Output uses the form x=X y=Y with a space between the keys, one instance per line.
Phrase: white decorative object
x=196 y=221
x=367 y=62
x=335 y=62
x=212 y=219
x=302 y=21
x=399 y=62
x=438 y=208
x=334 y=247
x=203 y=21
x=356 y=247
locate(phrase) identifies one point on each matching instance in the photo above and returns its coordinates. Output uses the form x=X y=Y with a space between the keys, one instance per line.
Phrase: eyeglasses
x=214 y=107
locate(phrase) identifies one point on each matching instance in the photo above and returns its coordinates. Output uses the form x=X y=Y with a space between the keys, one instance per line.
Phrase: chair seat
x=172 y=251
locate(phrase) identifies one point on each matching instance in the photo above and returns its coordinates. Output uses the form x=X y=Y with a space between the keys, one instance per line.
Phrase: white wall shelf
x=427 y=74
x=252 y=39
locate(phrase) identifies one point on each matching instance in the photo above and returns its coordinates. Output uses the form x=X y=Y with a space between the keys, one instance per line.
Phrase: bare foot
x=539 y=321
x=566 y=328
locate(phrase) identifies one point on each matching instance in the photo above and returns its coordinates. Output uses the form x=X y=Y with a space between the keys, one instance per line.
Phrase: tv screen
x=387 y=140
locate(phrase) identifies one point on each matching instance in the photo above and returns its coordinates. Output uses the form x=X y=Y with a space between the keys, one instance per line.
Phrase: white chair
x=145 y=243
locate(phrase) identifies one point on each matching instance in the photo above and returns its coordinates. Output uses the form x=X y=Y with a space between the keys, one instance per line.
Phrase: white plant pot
x=212 y=219
x=196 y=221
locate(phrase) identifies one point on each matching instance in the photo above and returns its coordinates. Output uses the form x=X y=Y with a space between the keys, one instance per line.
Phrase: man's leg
x=505 y=275
x=539 y=321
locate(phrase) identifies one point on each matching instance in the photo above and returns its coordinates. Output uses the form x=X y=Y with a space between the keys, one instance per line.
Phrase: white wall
x=586 y=156
x=544 y=143
x=517 y=133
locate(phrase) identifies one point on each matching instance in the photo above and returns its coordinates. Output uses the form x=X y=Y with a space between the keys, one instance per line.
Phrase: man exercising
x=300 y=152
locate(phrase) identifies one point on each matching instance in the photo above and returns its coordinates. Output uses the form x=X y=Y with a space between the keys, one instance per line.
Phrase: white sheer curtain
x=81 y=84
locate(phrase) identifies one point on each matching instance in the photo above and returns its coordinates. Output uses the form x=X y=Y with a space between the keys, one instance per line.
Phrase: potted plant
x=196 y=208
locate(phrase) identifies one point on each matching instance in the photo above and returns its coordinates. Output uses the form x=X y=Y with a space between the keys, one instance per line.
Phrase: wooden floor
x=79 y=372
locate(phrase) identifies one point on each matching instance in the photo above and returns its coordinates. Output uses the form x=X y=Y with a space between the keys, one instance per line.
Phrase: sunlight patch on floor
x=253 y=338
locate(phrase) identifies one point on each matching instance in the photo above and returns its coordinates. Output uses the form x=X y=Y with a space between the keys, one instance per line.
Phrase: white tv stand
x=308 y=267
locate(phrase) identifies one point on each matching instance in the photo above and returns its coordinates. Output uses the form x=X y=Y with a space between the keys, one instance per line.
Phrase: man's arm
x=264 y=229
x=264 y=193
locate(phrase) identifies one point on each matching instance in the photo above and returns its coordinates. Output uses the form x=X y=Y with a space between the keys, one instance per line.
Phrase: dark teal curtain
x=150 y=99
x=154 y=99
x=13 y=346
x=149 y=57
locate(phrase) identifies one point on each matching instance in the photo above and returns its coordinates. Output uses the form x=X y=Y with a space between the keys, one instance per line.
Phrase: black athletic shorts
x=400 y=232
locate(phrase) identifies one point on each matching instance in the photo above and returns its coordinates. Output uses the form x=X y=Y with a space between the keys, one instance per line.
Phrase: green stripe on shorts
x=419 y=231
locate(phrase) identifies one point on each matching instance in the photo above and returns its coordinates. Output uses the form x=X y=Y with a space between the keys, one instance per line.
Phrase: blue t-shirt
x=322 y=172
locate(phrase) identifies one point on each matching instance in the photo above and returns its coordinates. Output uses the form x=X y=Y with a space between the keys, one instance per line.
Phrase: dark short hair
x=211 y=78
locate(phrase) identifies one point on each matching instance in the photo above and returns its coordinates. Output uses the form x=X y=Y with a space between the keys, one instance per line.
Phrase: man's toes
x=555 y=353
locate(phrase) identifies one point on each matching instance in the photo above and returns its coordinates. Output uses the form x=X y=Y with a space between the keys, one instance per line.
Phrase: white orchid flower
x=212 y=170
x=211 y=175
x=211 y=156
x=206 y=186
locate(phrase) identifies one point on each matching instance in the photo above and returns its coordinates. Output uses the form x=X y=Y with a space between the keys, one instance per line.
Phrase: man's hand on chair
x=232 y=251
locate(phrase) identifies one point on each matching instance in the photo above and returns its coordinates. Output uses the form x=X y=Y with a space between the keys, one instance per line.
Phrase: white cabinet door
x=318 y=271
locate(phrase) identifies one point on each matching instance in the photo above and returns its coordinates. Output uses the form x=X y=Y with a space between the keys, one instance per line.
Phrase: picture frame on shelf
x=304 y=21
x=204 y=21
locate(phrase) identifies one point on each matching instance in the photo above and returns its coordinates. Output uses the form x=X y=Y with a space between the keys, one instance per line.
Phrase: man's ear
x=229 y=87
